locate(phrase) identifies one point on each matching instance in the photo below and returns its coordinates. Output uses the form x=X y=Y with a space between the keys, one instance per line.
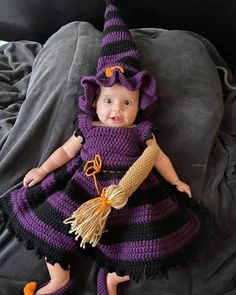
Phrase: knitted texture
x=118 y=63
x=101 y=282
x=125 y=149
x=158 y=228
x=89 y=220
x=117 y=48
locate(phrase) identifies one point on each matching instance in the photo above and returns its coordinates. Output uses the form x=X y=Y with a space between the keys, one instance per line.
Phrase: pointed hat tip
x=111 y=2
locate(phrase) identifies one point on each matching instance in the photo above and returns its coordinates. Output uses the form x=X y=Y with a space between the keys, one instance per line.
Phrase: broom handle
x=139 y=171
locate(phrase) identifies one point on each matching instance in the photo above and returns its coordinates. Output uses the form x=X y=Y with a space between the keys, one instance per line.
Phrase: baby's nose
x=117 y=107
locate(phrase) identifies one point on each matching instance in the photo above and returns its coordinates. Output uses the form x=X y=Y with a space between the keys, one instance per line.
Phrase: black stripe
x=129 y=74
x=77 y=193
x=43 y=210
x=112 y=14
x=152 y=196
x=153 y=230
x=37 y=200
x=117 y=47
x=157 y=266
x=36 y=194
x=115 y=28
x=130 y=61
x=62 y=177
x=49 y=215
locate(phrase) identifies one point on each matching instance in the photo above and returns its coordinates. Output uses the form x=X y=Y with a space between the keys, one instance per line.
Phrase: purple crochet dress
x=158 y=228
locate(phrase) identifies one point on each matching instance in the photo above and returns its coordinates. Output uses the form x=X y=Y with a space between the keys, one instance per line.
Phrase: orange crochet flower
x=110 y=70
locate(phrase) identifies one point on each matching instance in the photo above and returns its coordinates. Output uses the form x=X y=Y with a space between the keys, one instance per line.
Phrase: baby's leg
x=112 y=282
x=58 y=278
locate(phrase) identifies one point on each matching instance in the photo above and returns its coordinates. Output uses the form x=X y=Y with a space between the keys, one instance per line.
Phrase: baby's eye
x=107 y=100
x=127 y=102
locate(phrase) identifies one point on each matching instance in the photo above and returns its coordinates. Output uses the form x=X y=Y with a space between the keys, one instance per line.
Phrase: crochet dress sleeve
x=84 y=124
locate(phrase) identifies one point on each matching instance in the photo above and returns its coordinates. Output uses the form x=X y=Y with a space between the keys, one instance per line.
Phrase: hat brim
x=143 y=81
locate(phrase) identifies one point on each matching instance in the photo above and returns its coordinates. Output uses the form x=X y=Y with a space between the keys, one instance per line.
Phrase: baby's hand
x=34 y=176
x=183 y=187
x=152 y=141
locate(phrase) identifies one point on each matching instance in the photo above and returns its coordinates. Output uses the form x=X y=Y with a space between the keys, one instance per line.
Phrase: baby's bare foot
x=112 y=282
x=51 y=287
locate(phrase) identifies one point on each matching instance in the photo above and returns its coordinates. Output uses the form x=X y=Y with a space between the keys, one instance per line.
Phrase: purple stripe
x=154 y=249
x=47 y=183
x=107 y=60
x=59 y=199
x=142 y=214
x=62 y=203
x=150 y=182
x=113 y=22
x=71 y=165
x=30 y=222
x=101 y=282
x=116 y=36
x=109 y=8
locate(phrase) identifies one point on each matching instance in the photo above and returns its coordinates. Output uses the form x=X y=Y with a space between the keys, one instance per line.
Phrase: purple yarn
x=119 y=37
x=114 y=22
x=118 y=49
x=30 y=222
x=126 y=140
x=153 y=249
x=101 y=282
x=48 y=182
x=142 y=214
x=58 y=200
x=65 y=290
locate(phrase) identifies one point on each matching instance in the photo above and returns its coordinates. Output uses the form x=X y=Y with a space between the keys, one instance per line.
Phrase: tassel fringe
x=89 y=220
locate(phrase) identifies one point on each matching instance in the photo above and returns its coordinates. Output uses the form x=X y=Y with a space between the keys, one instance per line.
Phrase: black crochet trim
x=77 y=133
x=30 y=244
x=39 y=252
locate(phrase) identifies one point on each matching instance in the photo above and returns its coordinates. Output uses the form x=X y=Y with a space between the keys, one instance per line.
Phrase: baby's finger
x=180 y=189
x=188 y=192
x=27 y=180
x=33 y=182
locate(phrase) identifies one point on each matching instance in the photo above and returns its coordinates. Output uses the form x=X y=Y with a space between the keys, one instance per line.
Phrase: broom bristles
x=89 y=220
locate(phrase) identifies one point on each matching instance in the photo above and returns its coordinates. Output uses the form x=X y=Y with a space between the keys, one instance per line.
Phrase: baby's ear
x=94 y=103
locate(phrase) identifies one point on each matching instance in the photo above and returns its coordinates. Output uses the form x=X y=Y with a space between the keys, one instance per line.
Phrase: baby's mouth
x=116 y=119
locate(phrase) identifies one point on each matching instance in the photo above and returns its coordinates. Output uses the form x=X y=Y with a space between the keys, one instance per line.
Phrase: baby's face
x=116 y=106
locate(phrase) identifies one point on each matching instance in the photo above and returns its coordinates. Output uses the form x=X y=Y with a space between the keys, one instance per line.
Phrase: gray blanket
x=196 y=126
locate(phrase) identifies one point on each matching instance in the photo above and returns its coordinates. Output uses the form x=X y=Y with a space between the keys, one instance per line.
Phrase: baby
x=116 y=107
x=160 y=227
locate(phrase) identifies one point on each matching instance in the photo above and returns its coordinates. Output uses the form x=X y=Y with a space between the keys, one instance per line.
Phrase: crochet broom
x=89 y=220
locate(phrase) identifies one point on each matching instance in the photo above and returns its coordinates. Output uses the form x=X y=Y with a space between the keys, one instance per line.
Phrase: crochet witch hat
x=118 y=63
